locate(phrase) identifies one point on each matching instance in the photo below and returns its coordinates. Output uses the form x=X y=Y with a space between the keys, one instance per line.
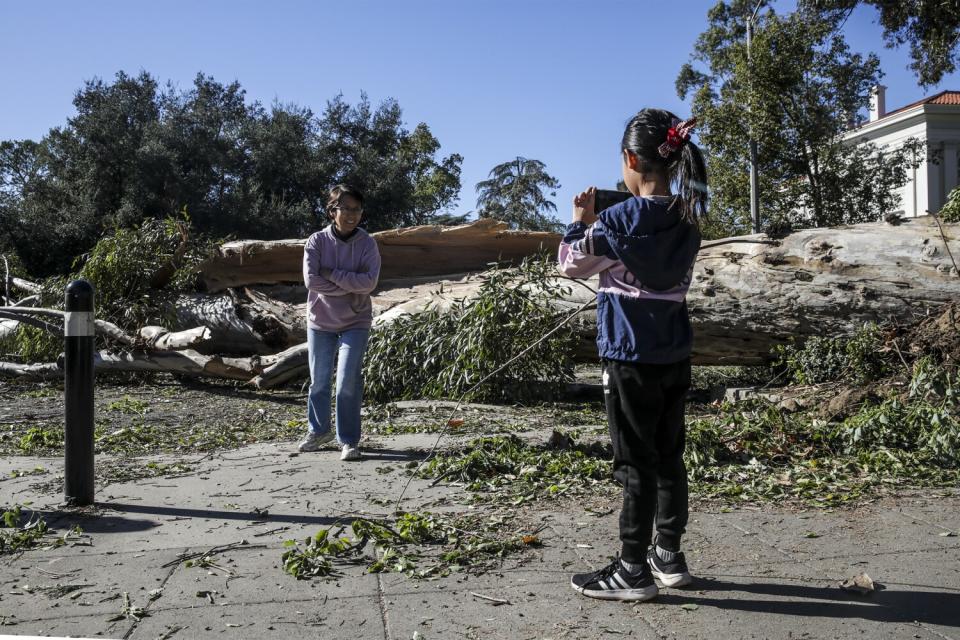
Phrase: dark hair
x=643 y=136
x=342 y=190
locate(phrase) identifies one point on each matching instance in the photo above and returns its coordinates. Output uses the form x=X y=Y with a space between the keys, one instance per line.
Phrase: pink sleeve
x=311 y=273
x=360 y=281
x=573 y=262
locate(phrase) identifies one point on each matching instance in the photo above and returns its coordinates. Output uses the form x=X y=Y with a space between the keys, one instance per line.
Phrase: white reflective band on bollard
x=77 y=324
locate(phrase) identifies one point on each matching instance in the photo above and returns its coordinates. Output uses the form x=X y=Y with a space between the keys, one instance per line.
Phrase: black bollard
x=78 y=394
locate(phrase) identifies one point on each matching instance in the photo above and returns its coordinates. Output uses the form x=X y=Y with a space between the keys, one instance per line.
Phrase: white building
x=934 y=121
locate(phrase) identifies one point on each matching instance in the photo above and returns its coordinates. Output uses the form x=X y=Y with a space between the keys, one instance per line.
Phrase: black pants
x=645 y=409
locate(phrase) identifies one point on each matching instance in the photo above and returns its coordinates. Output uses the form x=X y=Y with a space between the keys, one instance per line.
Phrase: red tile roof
x=944 y=97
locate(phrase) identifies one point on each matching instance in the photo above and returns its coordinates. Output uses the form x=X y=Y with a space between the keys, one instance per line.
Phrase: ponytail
x=691 y=179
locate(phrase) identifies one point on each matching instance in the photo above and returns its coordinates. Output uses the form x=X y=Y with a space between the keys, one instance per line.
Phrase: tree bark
x=230 y=332
x=186 y=362
x=748 y=297
x=284 y=366
x=161 y=339
x=428 y=250
x=748 y=294
x=752 y=293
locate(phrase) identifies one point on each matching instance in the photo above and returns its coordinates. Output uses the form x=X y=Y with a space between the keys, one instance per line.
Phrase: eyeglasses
x=349 y=209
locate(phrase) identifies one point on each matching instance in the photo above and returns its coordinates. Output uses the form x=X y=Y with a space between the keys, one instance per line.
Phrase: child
x=341 y=265
x=644 y=250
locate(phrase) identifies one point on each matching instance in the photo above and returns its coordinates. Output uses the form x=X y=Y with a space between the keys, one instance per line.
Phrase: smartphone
x=605 y=198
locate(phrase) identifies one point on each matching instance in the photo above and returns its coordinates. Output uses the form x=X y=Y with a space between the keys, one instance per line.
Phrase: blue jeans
x=348 y=348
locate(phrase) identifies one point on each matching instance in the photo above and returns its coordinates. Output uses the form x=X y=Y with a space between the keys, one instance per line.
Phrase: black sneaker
x=614 y=582
x=670 y=574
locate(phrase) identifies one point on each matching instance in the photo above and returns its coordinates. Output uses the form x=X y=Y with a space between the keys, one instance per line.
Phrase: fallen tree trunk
x=185 y=362
x=25 y=285
x=748 y=294
x=265 y=319
x=748 y=297
x=751 y=293
x=102 y=327
x=39 y=371
x=230 y=332
x=429 y=250
x=151 y=337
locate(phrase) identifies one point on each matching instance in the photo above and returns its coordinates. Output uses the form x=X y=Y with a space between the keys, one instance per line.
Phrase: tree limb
x=104 y=328
x=43 y=371
x=33 y=322
x=25 y=285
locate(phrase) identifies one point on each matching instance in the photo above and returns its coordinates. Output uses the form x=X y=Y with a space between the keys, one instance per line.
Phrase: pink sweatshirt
x=339 y=276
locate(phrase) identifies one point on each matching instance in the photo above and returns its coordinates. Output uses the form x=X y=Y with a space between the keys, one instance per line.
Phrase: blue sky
x=554 y=80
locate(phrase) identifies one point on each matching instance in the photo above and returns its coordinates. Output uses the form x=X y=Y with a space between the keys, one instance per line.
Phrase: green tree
x=402 y=181
x=800 y=92
x=205 y=134
x=136 y=152
x=514 y=193
x=287 y=172
x=436 y=185
x=931 y=28
x=82 y=177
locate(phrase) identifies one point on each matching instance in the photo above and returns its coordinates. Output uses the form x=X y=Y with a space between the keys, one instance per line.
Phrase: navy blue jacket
x=644 y=251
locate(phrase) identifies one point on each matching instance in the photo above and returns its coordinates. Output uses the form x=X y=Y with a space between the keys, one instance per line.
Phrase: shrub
x=951 y=210
x=443 y=353
x=136 y=271
x=926 y=422
x=858 y=358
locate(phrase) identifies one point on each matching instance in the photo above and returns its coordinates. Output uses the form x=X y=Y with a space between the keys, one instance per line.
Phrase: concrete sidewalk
x=770 y=573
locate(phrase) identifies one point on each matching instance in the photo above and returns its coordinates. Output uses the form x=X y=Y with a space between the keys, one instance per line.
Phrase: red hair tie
x=677 y=136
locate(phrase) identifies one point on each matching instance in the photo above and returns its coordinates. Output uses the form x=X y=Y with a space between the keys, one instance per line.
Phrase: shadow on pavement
x=892 y=604
x=93 y=523
x=183 y=512
x=393 y=455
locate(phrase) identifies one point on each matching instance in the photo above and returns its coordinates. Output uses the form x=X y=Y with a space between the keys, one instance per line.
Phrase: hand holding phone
x=583 y=206
x=606 y=198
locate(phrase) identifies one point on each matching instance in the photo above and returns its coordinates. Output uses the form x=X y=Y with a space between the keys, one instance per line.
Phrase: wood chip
x=861 y=584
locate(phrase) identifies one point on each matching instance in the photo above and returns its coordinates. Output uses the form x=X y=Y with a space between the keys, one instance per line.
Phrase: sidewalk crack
x=916 y=518
x=146 y=608
x=382 y=602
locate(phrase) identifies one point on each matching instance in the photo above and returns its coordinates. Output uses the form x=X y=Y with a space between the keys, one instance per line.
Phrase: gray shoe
x=314 y=441
x=350 y=452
